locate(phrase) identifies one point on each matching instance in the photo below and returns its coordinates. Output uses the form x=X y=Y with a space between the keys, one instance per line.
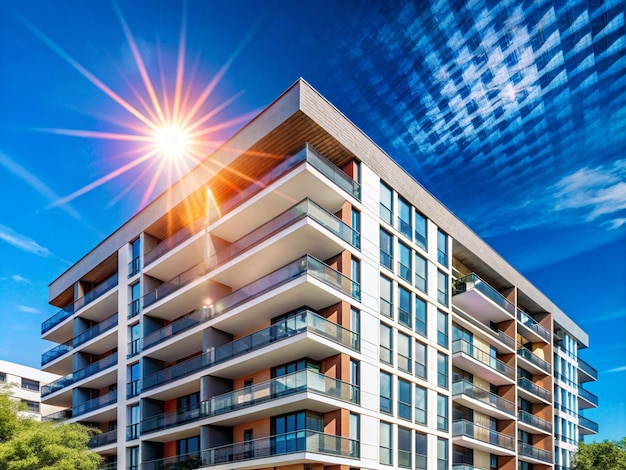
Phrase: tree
x=606 y=455
x=27 y=444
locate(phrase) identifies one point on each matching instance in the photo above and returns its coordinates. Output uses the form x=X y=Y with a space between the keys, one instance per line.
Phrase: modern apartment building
x=298 y=301
x=24 y=383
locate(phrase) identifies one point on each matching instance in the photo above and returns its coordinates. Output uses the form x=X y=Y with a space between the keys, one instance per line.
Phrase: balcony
x=534 y=391
x=533 y=362
x=531 y=329
x=588 y=397
x=471 y=435
x=81 y=339
x=302 y=323
x=263 y=398
x=175 y=328
x=94 y=404
x=586 y=373
x=529 y=452
x=482 y=400
x=529 y=422
x=59 y=416
x=68 y=311
x=79 y=375
x=478 y=362
x=174 y=241
x=485 y=332
x=586 y=426
x=473 y=295
x=103 y=439
x=299 y=442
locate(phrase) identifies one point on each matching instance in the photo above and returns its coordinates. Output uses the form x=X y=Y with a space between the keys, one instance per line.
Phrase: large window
x=442 y=412
x=134 y=415
x=386 y=249
x=420 y=316
x=442 y=328
x=421 y=273
x=386 y=394
x=289 y=430
x=30 y=384
x=404 y=352
x=420 y=231
x=404 y=263
x=386 y=203
x=134 y=307
x=442 y=453
x=386 y=297
x=442 y=248
x=421 y=450
x=420 y=405
x=190 y=445
x=135 y=255
x=404 y=399
x=386 y=344
x=404 y=447
x=442 y=288
x=420 y=359
x=404 y=306
x=442 y=370
x=385 y=444
x=404 y=218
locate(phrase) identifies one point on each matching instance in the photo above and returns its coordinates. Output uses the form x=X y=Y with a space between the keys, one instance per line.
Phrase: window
x=295 y=366
x=404 y=218
x=134 y=346
x=386 y=344
x=386 y=203
x=442 y=328
x=190 y=445
x=420 y=359
x=442 y=453
x=135 y=255
x=356 y=227
x=134 y=415
x=442 y=370
x=134 y=307
x=404 y=352
x=442 y=288
x=421 y=276
x=420 y=405
x=420 y=316
x=133 y=458
x=289 y=430
x=385 y=393
x=28 y=384
x=3 y=377
x=442 y=412
x=355 y=327
x=355 y=427
x=442 y=248
x=32 y=406
x=386 y=249
x=355 y=271
x=386 y=296
x=404 y=447
x=420 y=231
x=384 y=454
x=404 y=399
x=134 y=386
x=404 y=307
x=421 y=450
x=404 y=263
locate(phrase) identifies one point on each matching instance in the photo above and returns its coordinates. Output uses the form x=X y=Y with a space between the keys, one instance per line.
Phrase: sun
x=172 y=141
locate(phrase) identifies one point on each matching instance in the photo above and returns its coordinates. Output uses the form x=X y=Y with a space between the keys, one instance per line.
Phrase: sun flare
x=172 y=141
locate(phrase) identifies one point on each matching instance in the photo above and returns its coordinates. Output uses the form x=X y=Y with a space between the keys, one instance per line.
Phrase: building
x=24 y=384
x=298 y=301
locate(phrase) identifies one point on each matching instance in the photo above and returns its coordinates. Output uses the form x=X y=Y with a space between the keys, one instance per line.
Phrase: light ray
x=213 y=112
x=225 y=124
x=180 y=64
x=99 y=135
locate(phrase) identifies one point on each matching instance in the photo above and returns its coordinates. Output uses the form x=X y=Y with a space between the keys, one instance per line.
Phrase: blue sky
x=513 y=116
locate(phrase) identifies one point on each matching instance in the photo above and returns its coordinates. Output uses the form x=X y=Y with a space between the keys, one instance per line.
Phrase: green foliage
x=26 y=444
x=606 y=455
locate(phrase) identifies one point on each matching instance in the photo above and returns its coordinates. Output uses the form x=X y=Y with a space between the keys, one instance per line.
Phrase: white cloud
x=26 y=309
x=22 y=242
x=617 y=369
x=615 y=223
x=18 y=278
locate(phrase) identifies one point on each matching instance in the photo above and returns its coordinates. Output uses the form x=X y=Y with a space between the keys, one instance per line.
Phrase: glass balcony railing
x=82 y=338
x=462 y=346
x=534 y=359
x=533 y=388
x=587 y=369
x=62 y=415
x=81 y=374
x=134 y=266
x=297 y=382
x=178 y=326
x=472 y=281
x=167 y=288
x=532 y=420
x=465 y=466
x=587 y=423
x=587 y=395
x=279 y=444
x=89 y=297
x=94 y=404
x=481 y=433
x=533 y=452
x=103 y=439
x=463 y=387
x=172 y=242
x=299 y=323
x=531 y=323
x=307 y=154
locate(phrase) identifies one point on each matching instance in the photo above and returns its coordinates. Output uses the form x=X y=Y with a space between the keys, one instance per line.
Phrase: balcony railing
x=103 y=439
x=587 y=395
x=533 y=358
x=280 y=444
x=307 y=154
x=88 y=371
x=531 y=323
x=89 y=297
x=297 y=382
x=94 y=404
x=62 y=415
x=472 y=281
x=481 y=433
x=534 y=452
x=172 y=242
x=463 y=387
x=533 y=388
x=532 y=420
x=587 y=423
x=586 y=368
x=462 y=346
x=299 y=323
x=82 y=338
x=178 y=326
